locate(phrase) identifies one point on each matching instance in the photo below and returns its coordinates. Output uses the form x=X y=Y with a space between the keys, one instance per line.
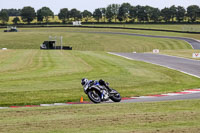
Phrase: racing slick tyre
x=94 y=96
x=115 y=97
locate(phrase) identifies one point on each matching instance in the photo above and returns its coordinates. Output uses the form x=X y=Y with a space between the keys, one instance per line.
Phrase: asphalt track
x=193 y=42
x=188 y=66
x=164 y=98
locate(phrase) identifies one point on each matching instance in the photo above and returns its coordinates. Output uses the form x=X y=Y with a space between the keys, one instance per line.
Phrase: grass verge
x=181 y=53
x=165 y=117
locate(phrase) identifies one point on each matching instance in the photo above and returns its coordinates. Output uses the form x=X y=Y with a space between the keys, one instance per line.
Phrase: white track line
x=192 y=91
x=173 y=94
x=3 y=107
x=59 y=104
x=145 y=96
x=45 y=105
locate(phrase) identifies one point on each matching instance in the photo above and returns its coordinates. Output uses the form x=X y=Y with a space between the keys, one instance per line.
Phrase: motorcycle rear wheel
x=94 y=96
x=115 y=97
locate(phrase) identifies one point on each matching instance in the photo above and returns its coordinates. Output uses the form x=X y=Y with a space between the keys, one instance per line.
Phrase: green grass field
x=32 y=76
x=35 y=76
x=163 y=117
x=75 y=37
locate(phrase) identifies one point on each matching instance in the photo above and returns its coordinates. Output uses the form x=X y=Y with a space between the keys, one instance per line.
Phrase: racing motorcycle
x=100 y=92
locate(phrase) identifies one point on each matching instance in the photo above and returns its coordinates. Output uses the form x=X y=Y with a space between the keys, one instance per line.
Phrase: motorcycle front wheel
x=94 y=96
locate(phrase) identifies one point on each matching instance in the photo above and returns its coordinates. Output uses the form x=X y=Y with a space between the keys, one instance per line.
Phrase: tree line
x=112 y=13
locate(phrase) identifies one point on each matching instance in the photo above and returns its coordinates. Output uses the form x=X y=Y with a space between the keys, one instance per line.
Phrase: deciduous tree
x=180 y=14
x=109 y=13
x=39 y=16
x=166 y=14
x=173 y=12
x=154 y=14
x=28 y=14
x=193 y=12
x=86 y=14
x=16 y=20
x=45 y=13
x=142 y=13
x=115 y=10
x=97 y=14
x=13 y=12
x=124 y=11
x=64 y=15
x=76 y=14
x=133 y=13
x=4 y=16
x=103 y=11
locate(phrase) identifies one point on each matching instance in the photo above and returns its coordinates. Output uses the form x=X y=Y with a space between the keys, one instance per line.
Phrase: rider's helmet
x=84 y=81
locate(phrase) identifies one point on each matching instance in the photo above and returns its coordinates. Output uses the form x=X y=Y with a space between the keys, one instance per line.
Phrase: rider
x=85 y=82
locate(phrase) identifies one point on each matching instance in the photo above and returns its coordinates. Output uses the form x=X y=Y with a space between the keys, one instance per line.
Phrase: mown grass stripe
x=59 y=79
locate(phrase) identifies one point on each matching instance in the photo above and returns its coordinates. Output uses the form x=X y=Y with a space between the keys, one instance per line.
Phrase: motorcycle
x=98 y=93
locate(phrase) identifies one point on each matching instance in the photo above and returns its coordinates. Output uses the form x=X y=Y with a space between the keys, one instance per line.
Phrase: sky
x=91 y=5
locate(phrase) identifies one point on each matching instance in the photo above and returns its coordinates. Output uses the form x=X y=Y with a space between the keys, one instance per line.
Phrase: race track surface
x=193 y=42
x=164 y=98
x=189 y=66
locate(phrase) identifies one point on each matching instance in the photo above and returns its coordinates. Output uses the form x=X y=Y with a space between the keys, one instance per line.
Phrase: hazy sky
x=56 y=5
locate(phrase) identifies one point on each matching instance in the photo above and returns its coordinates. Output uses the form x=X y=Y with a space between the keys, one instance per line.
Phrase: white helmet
x=84 y=81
